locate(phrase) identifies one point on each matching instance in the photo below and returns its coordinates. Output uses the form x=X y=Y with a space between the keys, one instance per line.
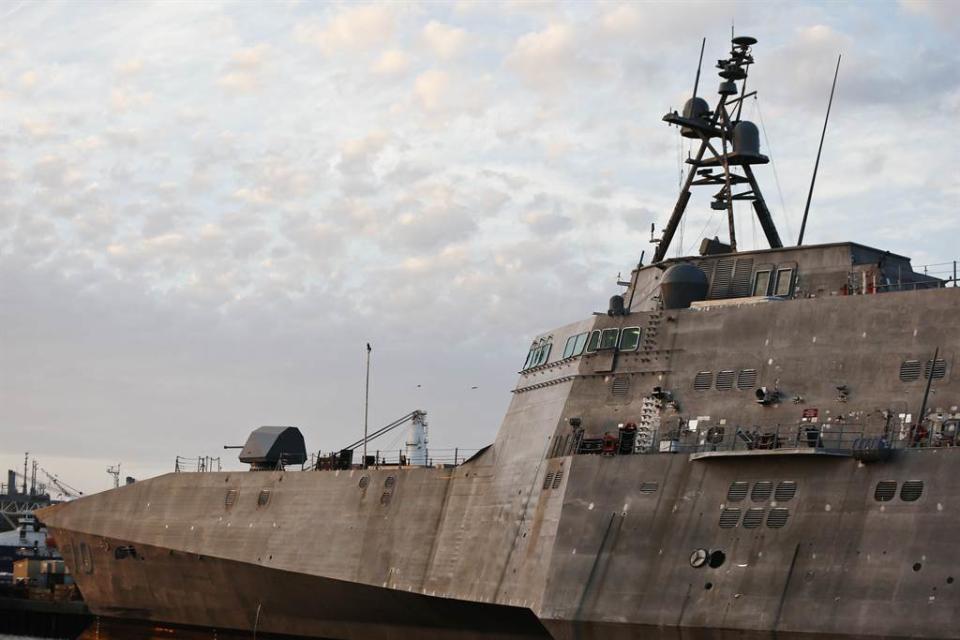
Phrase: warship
x=755 y=441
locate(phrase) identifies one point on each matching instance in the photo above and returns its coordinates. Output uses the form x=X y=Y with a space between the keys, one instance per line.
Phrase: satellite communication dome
x=695 y=109
x=682 y=284
x=746 y=139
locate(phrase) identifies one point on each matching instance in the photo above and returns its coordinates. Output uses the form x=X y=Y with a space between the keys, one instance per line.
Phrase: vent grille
x=389 y=482
x=621 y=385
x=548 y=481
x=777 y=518
x=911 y=490
x=263 y=498
x=742 y=278
x=703 y=380
x=230 y=498
x=885 y=491
x=725 y=380
x=722 y=274
x=939 y=369
x=729 y=518
x=909 y=370
x=557 y=478
x=753 y=518
x=785 y=491
x=648 y=487
x=747 y=379
x=737 y=492
x=761 y=491
x=364 y=481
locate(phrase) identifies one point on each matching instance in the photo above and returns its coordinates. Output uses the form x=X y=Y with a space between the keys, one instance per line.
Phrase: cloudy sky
x=207 y=208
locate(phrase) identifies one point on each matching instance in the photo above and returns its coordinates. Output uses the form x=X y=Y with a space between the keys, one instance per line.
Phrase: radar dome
x=695 y=109
x=683 y=284
x=746 y=139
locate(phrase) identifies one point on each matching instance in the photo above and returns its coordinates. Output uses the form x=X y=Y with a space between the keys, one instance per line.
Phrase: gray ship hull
x=601 y=554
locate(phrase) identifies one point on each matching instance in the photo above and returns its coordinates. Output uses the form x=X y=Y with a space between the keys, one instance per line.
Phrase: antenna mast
x=816 y=165
x=115 y=472
x=739 y=149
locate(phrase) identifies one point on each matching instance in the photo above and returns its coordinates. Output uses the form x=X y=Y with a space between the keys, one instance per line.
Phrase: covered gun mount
x=269 y=448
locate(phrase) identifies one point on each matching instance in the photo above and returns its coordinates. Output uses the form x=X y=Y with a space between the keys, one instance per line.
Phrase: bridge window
x=594 y=341
x=530 y=356
x=539 y=352
x=575 y=345
x=630 y=339
x=784 y=282
x=608 y=340
x=543 y=353
x=581 y=343
x=761 y=283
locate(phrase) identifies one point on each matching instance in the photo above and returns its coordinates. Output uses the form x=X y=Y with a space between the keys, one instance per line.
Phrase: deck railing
x=394 y=458
x=199 y=464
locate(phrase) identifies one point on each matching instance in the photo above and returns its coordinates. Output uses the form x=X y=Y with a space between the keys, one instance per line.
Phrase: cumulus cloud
x=548 y=58
x=242 y=74
x=392 y=62
x=446 y=42
x=353 y=28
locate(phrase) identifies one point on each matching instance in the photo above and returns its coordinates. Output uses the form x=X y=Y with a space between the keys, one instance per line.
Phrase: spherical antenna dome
x=746 y=139
x=683 y=284
x=694 y=109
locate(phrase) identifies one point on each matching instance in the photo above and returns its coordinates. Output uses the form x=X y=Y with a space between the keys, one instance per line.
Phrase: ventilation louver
x=263 y=498
x=737 y=491
x=230 y=498
x=885 y=491
x=785 y=491
x=703 y=380
x=648 y=487
x=909 y=370
x=729 y=518
x=722 y=275
x=747 y=379
x=777 y=518
x=753 y=518
x=557 y=478
x=742 y=278
x=911 y=490
x=761 y=491
x=725 y=380
x=621 y=385
x=548 y=481
x=939 y=369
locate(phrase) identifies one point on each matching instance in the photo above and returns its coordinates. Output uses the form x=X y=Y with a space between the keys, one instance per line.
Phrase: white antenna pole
x=366 y=408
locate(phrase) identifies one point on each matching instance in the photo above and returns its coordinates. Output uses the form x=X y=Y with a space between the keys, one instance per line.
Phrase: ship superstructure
x=752 y=440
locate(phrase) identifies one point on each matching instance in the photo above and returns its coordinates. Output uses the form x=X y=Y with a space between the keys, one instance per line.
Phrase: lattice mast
x=727 y=144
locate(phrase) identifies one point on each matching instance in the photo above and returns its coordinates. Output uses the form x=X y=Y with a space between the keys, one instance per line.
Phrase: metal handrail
x=451 y=457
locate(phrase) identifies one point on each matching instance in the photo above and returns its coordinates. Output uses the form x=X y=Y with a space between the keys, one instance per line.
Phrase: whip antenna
x=816 y=165
x=696 y=82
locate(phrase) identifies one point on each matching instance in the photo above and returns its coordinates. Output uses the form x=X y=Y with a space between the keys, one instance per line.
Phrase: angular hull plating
x=606 y=551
